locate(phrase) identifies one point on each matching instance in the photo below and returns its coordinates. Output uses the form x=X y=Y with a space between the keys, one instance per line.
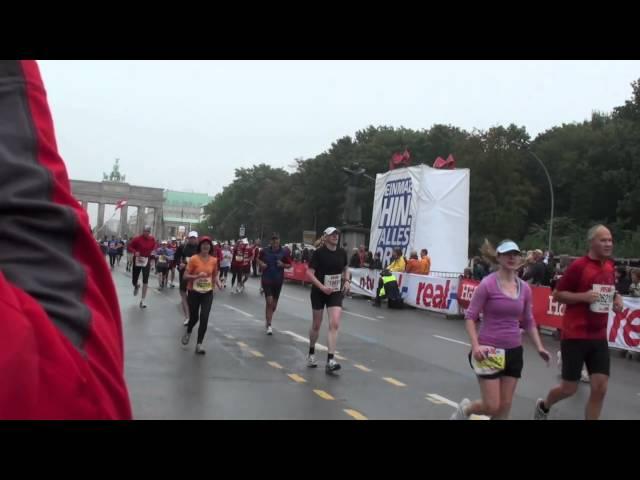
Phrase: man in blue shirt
x=273 y=260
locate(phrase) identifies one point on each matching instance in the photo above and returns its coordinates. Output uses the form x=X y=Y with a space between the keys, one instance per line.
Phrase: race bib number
x=239 y=258
x=203 y=285
x=494 y=363
x=141 y=261
x=605 y=298
x=162 y=259
x=333 y=282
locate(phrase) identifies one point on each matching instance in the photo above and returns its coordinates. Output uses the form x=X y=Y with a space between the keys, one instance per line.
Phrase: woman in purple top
x=505 y=302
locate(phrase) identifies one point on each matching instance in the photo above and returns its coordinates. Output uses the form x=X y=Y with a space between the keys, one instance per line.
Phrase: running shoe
x=311 y=361
x=200 y=349
x=185 y=338
x=539 y=413
x=269 y=330
x=459 y=414
x=332 y=366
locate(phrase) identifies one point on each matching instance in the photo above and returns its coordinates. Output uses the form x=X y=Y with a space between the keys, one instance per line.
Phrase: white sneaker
x=460 y=414
x=584 y=376
x=311 y=361
x=185 y=338
x=186 y=322
x=142 y=304
x=200 y=349
x=269 y=330
x=539 y=413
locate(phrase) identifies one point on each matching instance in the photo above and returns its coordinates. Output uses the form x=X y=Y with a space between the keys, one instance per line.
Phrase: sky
x=187 y=125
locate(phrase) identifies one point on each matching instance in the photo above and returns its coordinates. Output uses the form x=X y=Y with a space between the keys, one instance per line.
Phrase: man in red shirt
x=588 y=290
x=142 y=247
x=241 y=263
x=61 y=348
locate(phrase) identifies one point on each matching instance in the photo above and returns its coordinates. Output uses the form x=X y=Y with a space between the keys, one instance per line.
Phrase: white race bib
x=605 y=298
x=239 y=258
x=494 y=363
x=333 y=282
x=203 y=285
x=162 y=259
x=141 y=261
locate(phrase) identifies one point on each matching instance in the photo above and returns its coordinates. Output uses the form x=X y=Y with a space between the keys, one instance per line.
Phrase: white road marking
x=361 y=316
x=381 y=317
x=237 y=310
x=293 y=298
x=452 y=340
x=302 y=339
x=439 y=400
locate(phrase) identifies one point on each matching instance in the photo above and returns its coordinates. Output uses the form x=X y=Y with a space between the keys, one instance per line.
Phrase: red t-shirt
x=143 y=245
x=579 y=321
x=242 y=256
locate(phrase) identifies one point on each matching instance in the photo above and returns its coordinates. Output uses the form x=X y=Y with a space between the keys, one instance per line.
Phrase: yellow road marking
x=362 y=367
x=393 y=381
x=242 y=344
x=355 y=414
x=296 y=378
x=323 y=394
x=255 y=353
x=478 y=417
x=275 y=365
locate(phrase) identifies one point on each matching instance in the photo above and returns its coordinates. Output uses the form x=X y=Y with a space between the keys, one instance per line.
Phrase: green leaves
x=594 y=166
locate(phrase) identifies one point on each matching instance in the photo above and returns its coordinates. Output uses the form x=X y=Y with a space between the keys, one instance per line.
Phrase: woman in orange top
x=201 y=274
x=413 y=265
x=426 y=262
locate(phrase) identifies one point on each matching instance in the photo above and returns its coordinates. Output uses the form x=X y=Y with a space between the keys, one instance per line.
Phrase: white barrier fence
x=426 y=292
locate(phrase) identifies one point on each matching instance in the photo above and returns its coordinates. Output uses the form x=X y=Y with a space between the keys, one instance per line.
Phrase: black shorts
x=513 y=360
x=319 y=300
x=145 y=273
x=272 y=290
x=575 y=352
x=162 y=268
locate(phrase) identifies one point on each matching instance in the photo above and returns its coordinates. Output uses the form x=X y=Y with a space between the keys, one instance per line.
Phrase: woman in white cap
x=496 y=355
x=330 y=278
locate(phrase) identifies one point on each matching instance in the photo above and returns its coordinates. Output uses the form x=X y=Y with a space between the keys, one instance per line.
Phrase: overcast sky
x=186 y=125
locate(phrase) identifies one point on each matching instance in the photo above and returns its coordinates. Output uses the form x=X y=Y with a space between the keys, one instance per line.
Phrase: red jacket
x=144 y=246
x=61 y=348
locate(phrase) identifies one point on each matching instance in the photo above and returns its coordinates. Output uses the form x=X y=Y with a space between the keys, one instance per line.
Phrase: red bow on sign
x=449 y=163
x=120 y=204
x=399 y=160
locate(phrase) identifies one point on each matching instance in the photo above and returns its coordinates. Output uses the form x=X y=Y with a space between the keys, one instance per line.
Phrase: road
x=406 y=364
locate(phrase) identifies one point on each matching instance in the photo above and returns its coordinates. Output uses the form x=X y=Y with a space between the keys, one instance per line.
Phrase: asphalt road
x=406 y=364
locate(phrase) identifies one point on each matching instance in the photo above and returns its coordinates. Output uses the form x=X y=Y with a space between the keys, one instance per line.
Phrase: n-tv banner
x=395 y=206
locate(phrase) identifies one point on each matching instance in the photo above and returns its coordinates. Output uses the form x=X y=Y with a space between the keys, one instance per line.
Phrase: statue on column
x=352 y=211
x=115 y=175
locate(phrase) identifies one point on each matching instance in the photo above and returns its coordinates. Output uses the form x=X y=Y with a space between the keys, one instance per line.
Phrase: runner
x=113 y=251
x=163 y=257
x=255 y=251
x=129 y=258
x=201 y=275
x=496 y=352
x=120 y=249
x=142 y=246
x=173 y=246
x=272 y=261
x=225 y=265
x=182 y=256
x=588 y=290
x=327 y=269
x=241 y=264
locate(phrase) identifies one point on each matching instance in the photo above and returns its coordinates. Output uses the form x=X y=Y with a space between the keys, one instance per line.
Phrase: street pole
x=552 y=196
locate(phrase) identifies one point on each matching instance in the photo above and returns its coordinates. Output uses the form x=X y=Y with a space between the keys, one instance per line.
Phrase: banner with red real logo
x=624 y=327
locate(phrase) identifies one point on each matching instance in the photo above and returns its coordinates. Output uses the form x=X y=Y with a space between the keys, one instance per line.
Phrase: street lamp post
x=550 y=190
